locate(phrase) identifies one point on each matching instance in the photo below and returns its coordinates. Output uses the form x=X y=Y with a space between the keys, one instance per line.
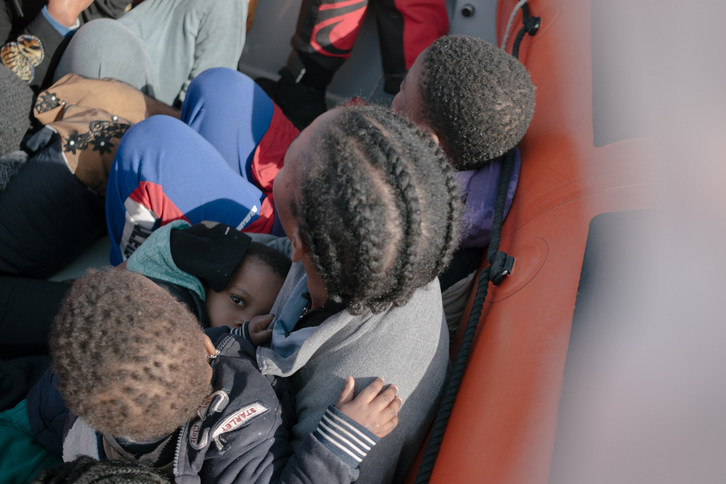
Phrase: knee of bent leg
x=145 y=138
x=218 y=79
x=107 y=48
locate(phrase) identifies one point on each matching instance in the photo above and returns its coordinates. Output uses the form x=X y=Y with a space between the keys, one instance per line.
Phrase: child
x=476 y=101
x=236 y=279
x=144 y=382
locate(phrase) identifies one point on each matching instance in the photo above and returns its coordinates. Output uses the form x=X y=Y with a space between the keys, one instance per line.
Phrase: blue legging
x=199 y=168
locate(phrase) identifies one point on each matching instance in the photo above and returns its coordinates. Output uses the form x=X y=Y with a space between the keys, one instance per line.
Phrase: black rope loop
x=501 y=267
x=518 y=40
x=530 y=26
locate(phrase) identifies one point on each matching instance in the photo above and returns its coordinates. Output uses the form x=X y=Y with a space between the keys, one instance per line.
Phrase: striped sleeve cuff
x=344 y=437
x=243 y=331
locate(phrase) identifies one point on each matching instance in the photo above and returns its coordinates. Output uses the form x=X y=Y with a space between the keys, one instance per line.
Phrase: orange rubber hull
x=502 y=428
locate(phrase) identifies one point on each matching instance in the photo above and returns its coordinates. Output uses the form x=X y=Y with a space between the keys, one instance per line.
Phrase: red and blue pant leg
x=218 y=163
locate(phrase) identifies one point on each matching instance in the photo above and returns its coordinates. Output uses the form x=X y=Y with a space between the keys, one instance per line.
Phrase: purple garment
x=480 y=191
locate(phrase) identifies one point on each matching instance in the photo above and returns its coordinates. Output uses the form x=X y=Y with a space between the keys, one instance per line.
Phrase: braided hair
x=129 y=357
x=380 y=208
x=478 y=99
x=85 y=470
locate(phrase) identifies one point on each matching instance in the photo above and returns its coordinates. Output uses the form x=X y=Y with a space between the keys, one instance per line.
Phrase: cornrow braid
x=451 y=243
x=407 y=202
x=129 y=357
x=478 y=99
x=379 y=209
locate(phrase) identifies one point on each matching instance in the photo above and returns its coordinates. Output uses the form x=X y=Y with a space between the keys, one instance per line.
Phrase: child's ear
x=208 y=345
x=426 y=128
x=431 y=133
x=297 y=245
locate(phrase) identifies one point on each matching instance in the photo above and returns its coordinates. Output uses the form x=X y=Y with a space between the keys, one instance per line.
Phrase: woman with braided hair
x=379 y=219
x=372 y=211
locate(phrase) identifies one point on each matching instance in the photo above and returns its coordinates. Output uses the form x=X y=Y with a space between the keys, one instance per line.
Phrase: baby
x=144 y=382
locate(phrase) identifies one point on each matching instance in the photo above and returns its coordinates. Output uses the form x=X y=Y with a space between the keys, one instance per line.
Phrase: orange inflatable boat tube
x=575 y=165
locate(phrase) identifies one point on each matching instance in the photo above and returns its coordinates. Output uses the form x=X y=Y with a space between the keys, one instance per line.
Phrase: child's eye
x=239 y=301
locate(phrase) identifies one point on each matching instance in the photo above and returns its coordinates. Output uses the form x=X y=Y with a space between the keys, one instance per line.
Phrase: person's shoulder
x=230 y=429
x=427 y=297
x=241 y=393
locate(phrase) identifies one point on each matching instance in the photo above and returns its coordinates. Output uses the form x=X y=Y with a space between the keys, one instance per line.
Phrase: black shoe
x=300 y=103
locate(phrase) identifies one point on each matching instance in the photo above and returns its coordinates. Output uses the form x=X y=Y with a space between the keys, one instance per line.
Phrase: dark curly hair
x=478 y=99
x=85 y=470
x=276 y=260
x=129 y=357
x=380 y=208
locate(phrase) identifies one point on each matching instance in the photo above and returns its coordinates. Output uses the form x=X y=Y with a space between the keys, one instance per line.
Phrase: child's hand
x=377 y=413
x=259 y=334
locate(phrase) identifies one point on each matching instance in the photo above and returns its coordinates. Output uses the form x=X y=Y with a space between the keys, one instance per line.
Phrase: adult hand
x=258 y=328
x=375 y=410
x=66 y=12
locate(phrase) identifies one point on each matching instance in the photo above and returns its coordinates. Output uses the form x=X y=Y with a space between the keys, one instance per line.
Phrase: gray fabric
x=405 y=345
x=16 y=99
x=280 y=243
x=286 y=338
x=80 y=440
x=107 y=48
x=160 y=45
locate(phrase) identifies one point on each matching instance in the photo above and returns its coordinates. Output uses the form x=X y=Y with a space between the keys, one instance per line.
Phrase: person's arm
x=257 y=330
x=330 y=454
x=345 y=435
x=408 y=345
x=49 y=29
x=67 y=12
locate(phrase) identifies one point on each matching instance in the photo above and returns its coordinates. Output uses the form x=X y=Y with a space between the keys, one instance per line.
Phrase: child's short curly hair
x=129 y=357
x=478 y=99
x=273 y=258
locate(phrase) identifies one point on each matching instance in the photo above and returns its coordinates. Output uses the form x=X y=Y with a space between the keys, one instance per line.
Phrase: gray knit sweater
x=407 y=346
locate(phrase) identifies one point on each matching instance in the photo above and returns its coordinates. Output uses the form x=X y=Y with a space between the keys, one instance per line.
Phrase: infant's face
x=251 y=292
